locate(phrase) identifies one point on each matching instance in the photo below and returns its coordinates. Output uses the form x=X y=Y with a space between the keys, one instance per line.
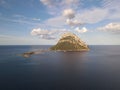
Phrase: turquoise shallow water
x=98 y=69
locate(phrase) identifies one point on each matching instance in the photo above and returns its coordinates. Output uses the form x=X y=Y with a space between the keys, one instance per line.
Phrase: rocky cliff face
x=70 y=42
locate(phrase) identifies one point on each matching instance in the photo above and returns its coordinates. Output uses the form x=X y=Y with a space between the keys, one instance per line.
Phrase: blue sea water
x=97 y=69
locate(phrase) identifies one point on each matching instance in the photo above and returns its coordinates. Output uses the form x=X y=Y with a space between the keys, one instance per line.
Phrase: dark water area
x=97 y=69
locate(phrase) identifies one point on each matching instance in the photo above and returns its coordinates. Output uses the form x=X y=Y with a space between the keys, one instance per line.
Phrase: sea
x=97 y=69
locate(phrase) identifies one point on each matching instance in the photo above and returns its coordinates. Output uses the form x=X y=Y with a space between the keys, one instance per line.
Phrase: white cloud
x=58 y=3
x=93 y=15
x=113 y=7
x=109 y=10
x=70 y=2
x=69 y=13
x=73 y=22
x=47 y=34
x=111 y=4
x=57 y=21
x=43 y=34
x=21 y=21
x=48 y=37
x=47 y=2
x=39 y=31
x=82 y=30
x=55 y=7
x=16 y=18
x=111 y=27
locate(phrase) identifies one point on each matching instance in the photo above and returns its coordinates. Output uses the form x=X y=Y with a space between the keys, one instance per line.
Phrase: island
x=67 y=42
x=70 y=42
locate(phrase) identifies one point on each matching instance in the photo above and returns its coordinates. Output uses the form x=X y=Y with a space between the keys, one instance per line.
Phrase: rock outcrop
x=70 y=42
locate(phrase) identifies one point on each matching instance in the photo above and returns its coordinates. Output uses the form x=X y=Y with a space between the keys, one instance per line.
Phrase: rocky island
x=67 y=42
x=70 y=42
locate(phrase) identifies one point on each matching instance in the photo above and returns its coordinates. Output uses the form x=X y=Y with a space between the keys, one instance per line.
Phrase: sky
x=41 y=22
